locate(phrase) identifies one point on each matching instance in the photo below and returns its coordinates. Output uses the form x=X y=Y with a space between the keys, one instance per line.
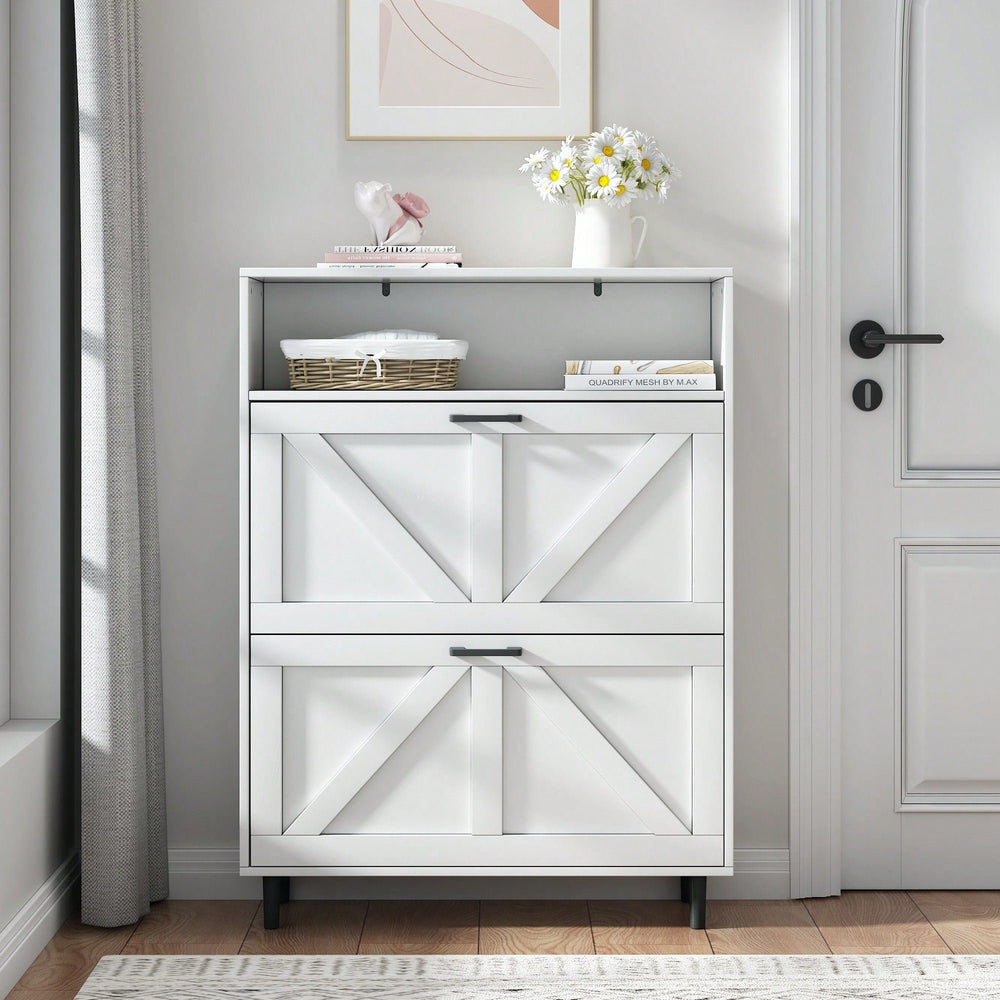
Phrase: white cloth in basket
x=391 y=335
x=402 y=344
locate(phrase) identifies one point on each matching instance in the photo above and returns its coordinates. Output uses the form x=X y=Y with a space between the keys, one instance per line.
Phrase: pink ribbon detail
x=413 y=206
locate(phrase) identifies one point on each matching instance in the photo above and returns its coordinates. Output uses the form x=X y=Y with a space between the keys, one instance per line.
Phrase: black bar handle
x=486 y=418
x=868 y=338
x=506 y=651
x=903 y=338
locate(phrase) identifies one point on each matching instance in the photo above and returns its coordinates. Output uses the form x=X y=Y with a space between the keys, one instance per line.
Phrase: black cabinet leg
x=697 y=890
x=273 y=885
x=286 y=888
x=685 y=888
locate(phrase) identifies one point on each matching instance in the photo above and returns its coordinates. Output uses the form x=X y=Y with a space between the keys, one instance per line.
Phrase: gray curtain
x=123 y=837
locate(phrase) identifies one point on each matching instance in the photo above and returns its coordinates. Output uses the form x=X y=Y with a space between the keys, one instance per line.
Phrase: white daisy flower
x=663 y=187
x=590 y=156
x=647 y=165
x=567 y=152
x=552 y=180
x=644 y=144
x=625 y=191
x=534 y=161
x=602 y=179
x=612 y=142
x=626 y=135
x=553 y=197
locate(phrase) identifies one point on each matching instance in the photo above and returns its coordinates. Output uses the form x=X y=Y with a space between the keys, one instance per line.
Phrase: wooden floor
x=856 y=922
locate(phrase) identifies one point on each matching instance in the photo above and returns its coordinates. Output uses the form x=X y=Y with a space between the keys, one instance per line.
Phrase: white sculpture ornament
x=394 y=218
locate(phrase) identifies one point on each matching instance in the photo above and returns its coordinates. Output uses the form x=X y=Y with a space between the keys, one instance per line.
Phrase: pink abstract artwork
x=435 y=53
x=469 y=68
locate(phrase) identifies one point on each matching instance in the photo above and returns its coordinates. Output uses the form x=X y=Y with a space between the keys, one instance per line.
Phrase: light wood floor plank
x=421 y=927
x=18 y=994
x=71 y=955
x=762 y=927
x=645 y=927
x=875 y=923
x=969 y=921
x=858 y=922
x=193 y=927
x=535 y=927
x=309 y=927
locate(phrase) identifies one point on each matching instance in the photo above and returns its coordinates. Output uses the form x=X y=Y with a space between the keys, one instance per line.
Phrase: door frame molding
x=814 y=346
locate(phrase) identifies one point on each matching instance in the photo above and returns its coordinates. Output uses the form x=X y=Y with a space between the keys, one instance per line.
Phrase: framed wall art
x=469 y=69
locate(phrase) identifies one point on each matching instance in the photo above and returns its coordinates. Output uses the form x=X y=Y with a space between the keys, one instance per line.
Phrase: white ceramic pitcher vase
x=603 y=236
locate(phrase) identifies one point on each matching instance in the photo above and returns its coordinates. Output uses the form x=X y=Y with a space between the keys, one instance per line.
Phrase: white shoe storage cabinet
x=487 y=631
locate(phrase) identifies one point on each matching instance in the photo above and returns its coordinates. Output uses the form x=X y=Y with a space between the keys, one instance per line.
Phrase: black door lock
x=867 y=395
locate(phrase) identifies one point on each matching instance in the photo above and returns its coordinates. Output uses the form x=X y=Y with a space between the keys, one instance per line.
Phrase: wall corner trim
x=34 y=925
x=814 y=346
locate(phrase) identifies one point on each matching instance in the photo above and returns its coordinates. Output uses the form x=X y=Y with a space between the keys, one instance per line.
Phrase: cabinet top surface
x=567 y=275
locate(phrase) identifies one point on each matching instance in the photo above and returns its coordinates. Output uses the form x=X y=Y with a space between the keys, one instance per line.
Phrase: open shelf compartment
x=521 y=323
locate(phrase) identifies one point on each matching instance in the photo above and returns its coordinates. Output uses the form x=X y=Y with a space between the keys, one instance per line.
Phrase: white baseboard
x=208 y=873
x=34 y=925
x=213 y=873
x=759 y=873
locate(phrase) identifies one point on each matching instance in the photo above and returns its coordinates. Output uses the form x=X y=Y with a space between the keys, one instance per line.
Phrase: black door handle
x=868 y=338
x=484 y=418
x=506 y=651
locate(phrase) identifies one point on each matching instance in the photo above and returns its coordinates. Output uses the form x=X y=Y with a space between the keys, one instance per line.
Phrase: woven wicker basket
x=396 y=373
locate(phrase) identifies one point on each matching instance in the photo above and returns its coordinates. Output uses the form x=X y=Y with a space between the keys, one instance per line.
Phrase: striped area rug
x=531 y=977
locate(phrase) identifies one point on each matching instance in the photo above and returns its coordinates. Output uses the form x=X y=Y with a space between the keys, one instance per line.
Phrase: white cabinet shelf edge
x=558 y=275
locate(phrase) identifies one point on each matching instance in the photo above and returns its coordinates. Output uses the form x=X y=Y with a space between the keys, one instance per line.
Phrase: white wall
x=4 y=362
x=37 y=867
x=248 y=166
x=35 y=319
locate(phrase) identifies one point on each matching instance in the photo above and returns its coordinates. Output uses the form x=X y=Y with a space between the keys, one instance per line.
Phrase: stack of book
x=359 y=257
x=656 y=375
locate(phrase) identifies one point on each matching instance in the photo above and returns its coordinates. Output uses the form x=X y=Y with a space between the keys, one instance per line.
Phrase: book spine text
x=638 y=381
x=390 y=250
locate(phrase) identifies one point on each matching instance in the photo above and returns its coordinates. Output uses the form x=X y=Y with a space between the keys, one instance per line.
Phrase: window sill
x=18 y=734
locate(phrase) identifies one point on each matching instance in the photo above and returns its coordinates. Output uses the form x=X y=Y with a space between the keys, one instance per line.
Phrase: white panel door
x=562 y=517
x=368 y=748
x=360 y=517
x=921 y=237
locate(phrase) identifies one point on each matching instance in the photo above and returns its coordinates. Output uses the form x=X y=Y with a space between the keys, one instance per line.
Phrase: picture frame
x=469 y=69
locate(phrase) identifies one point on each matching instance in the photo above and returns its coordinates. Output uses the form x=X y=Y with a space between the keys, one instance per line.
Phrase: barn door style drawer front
x=535 y=517
x=414 y=751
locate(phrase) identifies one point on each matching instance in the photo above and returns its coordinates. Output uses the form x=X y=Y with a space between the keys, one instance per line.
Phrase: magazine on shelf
x=638 y=381
x=389 y=265
x=639 y=367
x=381 y=258
x=393 y=250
